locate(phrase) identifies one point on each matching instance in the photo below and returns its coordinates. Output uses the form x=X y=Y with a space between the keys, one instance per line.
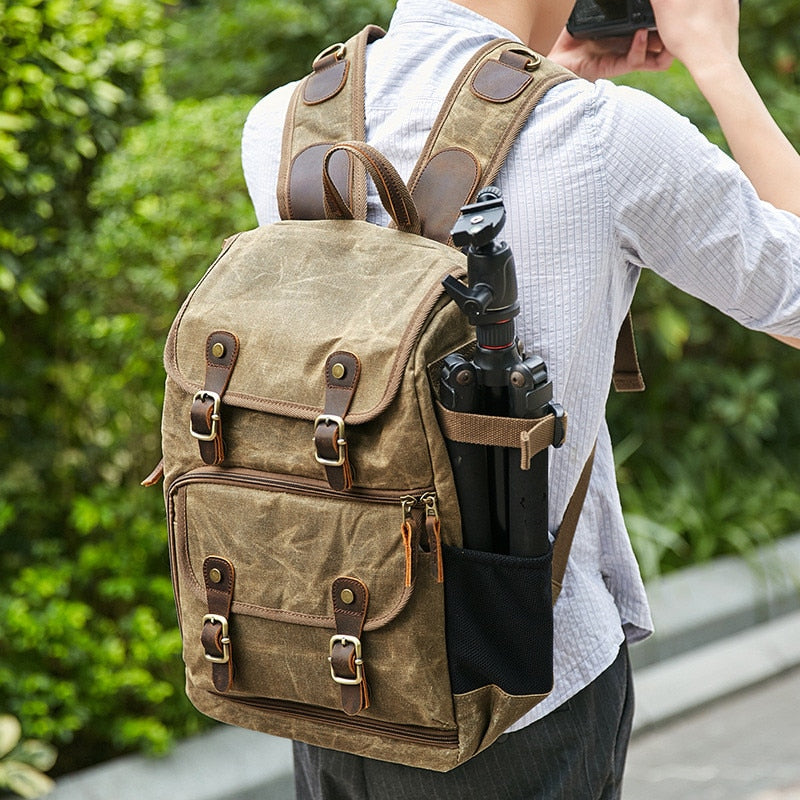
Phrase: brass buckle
x=337 y=50
x=225 y=640
x=202 y=395
x=332 y=419
x=356 y=642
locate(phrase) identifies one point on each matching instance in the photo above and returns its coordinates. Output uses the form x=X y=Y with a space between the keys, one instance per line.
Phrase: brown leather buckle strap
x=222 y=350
x=218 y=576
x=342 y=371
x=350 y=599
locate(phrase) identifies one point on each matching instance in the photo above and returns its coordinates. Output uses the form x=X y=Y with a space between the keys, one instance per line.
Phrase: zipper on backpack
x=417 y=506
x=300 y=486
x=410 y=733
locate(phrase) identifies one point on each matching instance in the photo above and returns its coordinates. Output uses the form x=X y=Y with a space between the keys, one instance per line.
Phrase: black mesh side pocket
x=499 y=621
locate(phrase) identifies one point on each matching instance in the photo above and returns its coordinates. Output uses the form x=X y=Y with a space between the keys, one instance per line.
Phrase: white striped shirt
x=602 y=182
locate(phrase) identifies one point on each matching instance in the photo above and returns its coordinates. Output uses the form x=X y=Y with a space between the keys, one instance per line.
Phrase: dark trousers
x=575 y=753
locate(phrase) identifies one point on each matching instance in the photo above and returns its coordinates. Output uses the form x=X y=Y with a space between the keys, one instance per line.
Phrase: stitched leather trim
x=327 y=80
x=453 y=173
x=305 y=200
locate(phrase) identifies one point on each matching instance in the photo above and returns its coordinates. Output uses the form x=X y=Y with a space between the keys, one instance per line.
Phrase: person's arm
x=705 y=37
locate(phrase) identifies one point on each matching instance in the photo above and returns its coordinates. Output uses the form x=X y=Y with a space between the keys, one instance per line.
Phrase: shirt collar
x=443 y=12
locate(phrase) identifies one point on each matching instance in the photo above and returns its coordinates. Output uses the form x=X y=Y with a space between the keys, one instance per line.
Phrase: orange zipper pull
x=407 y=530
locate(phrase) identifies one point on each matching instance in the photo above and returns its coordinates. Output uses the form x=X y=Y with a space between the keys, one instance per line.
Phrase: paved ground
x=744 y=748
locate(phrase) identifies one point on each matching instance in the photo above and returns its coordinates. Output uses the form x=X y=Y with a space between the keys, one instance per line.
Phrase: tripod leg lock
x=559 y=423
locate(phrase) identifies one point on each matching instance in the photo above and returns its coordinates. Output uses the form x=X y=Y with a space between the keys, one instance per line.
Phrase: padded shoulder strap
x=483 y=113
x=326 y=108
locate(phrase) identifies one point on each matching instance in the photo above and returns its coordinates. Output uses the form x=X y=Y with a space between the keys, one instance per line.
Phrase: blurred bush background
x=119 y=178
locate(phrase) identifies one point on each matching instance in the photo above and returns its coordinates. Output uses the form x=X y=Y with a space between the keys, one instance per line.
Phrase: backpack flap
x=292 y=307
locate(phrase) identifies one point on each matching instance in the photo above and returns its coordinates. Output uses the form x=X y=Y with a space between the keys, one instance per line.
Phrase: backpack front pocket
x=287 y=542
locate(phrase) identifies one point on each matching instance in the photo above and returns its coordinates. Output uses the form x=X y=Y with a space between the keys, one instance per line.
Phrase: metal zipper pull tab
x=433 y=527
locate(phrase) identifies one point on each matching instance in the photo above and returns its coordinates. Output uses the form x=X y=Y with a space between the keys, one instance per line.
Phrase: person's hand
x=703 y=34
x=608 y=58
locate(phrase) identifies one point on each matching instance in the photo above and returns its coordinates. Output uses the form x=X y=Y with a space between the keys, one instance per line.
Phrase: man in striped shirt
x=602 y=182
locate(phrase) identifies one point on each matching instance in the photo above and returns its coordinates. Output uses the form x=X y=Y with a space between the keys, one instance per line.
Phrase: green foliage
x=24 y=762
x=91 y=652
x=73 y=73
x=706 y=456
x=252 y=46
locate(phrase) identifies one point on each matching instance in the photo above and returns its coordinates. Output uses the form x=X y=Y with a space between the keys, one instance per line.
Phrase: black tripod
x=503 y=506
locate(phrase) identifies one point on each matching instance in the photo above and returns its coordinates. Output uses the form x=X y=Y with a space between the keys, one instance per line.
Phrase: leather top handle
x=393 y=192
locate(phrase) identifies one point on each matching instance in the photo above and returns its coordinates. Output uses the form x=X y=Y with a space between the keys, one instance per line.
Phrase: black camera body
x=597 y=19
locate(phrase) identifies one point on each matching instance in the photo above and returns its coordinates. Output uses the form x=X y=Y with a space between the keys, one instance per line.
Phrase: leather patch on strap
x=342 y=371
x=502 y=80
x=222 y=350
x=218 y=576
x=328 y=78
x=305 y=181
x=350 y=599
x=452 y=173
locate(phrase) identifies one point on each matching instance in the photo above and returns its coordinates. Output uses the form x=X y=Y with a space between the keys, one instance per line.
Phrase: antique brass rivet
x=338 y=371
x=218 y=350
x=214 y=575
x=347 y=596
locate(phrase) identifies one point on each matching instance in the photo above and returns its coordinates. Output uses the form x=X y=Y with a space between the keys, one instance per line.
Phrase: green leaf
x=32 y=298
x=15 y=122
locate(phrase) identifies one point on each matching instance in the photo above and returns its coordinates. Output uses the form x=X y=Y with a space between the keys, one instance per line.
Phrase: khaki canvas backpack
x=314 y=532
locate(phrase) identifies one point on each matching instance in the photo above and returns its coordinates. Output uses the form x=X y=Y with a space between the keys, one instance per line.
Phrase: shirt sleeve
x=261 y=141
x=684 y=209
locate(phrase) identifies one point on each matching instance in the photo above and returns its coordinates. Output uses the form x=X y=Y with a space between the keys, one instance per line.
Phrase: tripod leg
x=528 y=509
x=459 y=392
